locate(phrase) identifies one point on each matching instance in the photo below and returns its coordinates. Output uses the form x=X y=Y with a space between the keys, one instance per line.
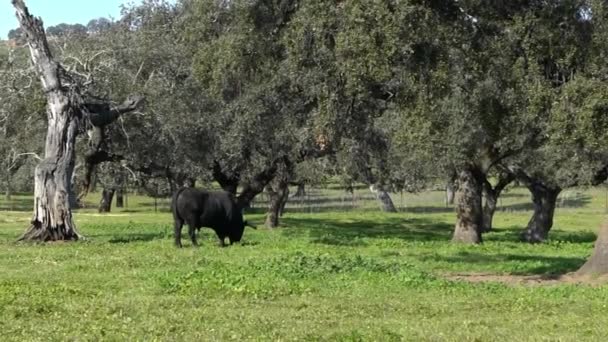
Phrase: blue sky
x=54 y=12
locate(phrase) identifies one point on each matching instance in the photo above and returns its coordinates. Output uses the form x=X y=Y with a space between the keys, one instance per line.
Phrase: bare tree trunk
x=274 y=204
x=120 y=203
x=490 y=197
x=278 y=194
x=469 y=214
x=105 y=204
x=94 y=181
x=544 y=198
x=300 y=192
x=9 y=190
x=284 y=200
x=52 y=218
x=597 y=264
x=384 y=198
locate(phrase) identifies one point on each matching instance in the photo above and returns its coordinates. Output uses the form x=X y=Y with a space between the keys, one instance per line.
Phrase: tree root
x=36 y=232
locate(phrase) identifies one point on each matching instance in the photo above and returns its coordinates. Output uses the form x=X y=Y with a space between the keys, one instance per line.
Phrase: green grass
x=352 y=275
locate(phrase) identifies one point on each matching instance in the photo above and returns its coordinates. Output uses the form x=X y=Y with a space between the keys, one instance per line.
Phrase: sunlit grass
x=350 y=275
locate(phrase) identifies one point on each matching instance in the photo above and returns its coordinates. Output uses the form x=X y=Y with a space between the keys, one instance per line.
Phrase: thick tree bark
x=544 y=198
x=105 y=204
x=597 y=264
x=386 y=203
x=469 y=213
x=490 y=197
x=120 y=203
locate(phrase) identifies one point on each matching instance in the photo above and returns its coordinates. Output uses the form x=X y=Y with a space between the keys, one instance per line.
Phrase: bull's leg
x=192 y=233
x=221 y=242
x=178 y=232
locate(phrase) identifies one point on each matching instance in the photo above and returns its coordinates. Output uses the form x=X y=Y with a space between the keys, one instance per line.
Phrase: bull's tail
x=174 y=203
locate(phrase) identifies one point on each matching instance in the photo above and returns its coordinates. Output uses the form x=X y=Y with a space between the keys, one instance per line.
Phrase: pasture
x=337 y=269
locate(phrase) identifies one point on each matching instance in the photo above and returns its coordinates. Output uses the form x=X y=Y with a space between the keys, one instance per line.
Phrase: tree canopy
x=399 y=95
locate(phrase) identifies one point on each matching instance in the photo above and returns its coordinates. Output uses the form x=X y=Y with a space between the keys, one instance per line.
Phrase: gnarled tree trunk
x=105 y=204
x=278 y=192
x=300 y=192
x=258 y=183
x=597 y=264
x=120 y=201
x=544 y=198
x=277 y=197
x=386 y=203
x=52 y=218
x=490 y=197
x=9 y=190
x=469 y=215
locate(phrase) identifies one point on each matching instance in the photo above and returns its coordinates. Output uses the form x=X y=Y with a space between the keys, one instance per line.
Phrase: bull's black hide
x=215 y=210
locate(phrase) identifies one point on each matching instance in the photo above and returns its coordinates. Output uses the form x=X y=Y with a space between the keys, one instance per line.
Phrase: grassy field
x=337 y=270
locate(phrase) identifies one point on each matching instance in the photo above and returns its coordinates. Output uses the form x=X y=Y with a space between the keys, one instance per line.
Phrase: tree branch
x=49 y=70
x=103 y=114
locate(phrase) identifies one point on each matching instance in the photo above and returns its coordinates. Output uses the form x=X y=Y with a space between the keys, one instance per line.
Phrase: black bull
x=216 y=210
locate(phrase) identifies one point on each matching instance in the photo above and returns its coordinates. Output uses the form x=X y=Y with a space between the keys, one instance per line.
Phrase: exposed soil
x=530 y=280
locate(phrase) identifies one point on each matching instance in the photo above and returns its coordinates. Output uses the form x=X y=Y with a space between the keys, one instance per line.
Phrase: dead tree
x=68 y=116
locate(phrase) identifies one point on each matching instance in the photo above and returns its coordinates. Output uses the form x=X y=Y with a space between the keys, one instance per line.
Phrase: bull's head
x=237 y=234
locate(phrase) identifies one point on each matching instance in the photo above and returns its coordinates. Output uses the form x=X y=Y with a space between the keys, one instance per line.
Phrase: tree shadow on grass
x=129 y=238
x=539 y=264
x=427 y=209
x=513 y=234
x=328 y=232
x=577 y=201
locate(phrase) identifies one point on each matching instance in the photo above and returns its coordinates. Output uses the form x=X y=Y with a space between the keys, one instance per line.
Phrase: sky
x=55 y=12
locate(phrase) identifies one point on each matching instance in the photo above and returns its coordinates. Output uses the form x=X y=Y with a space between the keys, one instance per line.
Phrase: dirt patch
x=530 y=280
